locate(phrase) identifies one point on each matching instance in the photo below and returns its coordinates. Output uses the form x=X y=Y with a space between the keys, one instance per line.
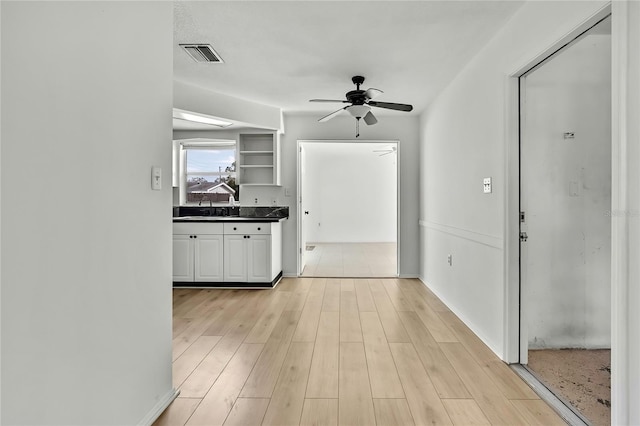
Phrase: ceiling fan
x=361 y=102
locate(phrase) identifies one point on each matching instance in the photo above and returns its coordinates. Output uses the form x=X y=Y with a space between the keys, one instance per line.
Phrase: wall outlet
x=487 y=185
x=450 y=260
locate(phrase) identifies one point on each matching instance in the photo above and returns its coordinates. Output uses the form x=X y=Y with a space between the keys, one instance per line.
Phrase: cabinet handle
x=235 y=229
x=195 y=236
x=258 y=229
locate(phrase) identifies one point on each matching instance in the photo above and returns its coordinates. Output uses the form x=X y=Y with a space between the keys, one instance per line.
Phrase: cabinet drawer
x=247 y=228
x=197 y=228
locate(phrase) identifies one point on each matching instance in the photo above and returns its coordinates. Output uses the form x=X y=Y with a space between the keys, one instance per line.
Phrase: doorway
x=348 y=208
x=565 y=223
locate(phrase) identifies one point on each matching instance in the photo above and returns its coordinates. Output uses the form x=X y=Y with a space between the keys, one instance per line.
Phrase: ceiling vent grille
x=202 y=53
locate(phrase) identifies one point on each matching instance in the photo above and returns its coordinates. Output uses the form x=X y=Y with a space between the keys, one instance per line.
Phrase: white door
x=235 y=258
x=208 y=253
x=259 y=258
x=302 y=215
x=182 y=258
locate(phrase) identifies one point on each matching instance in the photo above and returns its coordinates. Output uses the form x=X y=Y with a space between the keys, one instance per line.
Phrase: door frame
x=620 y=204
x=299 y=242
x=513 y=346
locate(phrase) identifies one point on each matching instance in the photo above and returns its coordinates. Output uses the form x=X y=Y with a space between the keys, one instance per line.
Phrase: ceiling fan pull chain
x=357 y=127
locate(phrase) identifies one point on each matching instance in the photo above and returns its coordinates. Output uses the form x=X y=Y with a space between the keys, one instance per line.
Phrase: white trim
x=511 y=206
x=476 y=237
x=398 y=191
x=460 y=314
x=511 y=231
x=159 y=408
x=568 y=415
x=620 y=404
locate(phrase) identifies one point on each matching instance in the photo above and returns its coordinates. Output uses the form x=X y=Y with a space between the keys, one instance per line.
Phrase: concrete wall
x=350 y=193
x=463 y=140
x=86 y=243
x=566 y=194
x=403 y=128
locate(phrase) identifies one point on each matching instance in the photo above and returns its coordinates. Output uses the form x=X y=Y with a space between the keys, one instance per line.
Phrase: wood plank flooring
x=332 y=351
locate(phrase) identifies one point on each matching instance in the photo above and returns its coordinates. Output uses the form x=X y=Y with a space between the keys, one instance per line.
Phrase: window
x=209 y=172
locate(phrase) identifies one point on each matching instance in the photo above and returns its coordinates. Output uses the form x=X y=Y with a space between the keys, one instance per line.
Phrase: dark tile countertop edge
x=227 y=219
x=237 y=214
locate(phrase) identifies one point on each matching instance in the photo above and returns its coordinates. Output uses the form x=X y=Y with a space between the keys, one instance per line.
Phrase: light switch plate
x=156 y=178
x=487 y=185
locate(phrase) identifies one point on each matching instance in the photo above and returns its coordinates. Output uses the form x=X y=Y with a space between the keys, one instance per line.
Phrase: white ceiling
x=283 y=53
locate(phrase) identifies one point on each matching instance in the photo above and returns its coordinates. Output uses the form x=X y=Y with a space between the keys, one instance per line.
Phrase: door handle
x=306 y=212
x=523 y=236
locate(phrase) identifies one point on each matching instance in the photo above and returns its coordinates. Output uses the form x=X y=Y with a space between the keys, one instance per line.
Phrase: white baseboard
x=408 y=276
x=463 y=318
x=159 y=408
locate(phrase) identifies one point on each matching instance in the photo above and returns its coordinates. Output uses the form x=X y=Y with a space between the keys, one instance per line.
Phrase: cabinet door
x=259 y=258
x=182 y=258
x=235 y=258
x=208 y=258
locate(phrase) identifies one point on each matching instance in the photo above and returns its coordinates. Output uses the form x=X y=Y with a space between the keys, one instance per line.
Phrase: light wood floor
x=337 y=352
x=351 y=260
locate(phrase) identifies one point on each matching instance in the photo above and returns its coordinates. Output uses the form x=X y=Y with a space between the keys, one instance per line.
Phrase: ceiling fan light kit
x=361 y=103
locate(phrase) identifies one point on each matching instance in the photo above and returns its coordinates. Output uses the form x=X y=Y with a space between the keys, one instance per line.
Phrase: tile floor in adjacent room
x=323 y=351
x=351 y=260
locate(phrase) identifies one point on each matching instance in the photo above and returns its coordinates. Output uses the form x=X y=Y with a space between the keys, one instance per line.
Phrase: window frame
x=203 y=144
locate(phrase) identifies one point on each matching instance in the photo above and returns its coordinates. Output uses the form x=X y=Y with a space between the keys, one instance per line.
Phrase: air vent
x=202 y=53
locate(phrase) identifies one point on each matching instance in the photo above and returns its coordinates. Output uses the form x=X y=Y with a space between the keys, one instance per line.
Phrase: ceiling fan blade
x=327 y=100
x=389 y=105
x=369 y=118
x=330 y=116
x=373 y=93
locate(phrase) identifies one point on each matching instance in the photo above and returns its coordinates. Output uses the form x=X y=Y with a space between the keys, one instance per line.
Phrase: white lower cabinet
x=235 y=258
x=182 y=258
x=247 y=252
x=230 y=252
x=209 y=253
x=259 y=258
x=198 y=252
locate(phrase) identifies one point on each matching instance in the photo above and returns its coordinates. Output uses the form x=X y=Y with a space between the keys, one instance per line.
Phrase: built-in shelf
x=256 y=152
x=258 y=159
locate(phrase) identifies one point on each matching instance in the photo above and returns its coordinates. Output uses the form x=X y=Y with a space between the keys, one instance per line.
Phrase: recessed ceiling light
x=200 y=118
x=202 y=53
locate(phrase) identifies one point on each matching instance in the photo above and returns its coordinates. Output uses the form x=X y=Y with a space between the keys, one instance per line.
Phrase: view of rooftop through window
x=211 y=174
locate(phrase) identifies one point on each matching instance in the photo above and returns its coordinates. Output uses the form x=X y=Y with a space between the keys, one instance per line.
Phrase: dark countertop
x=221 y=214
x=222 y=219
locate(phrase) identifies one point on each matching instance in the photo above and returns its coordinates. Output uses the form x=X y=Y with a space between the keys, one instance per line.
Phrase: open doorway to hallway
x=565 y=199
x=348 y=220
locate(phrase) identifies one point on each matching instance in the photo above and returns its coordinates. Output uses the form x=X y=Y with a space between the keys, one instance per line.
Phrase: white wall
x=463 y=139
x=566 y=194
x=86 y=244
x=403 y=128
x=350 y=193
